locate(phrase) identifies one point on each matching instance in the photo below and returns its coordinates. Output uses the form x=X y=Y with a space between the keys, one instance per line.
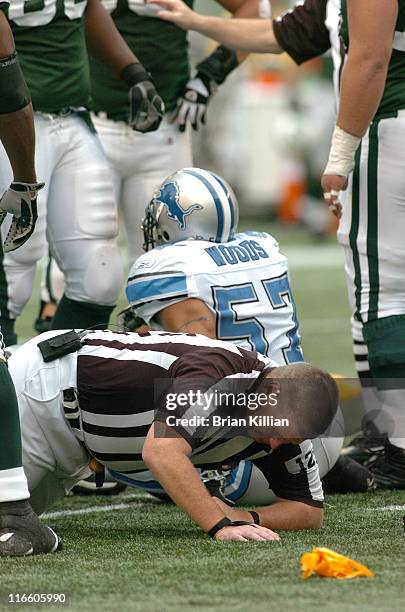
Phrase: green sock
x=10 y=434
x=7 y=329
x=80 y=315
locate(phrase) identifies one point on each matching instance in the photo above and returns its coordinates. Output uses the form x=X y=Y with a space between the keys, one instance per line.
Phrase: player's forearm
x=285 y=515
x=103 y=40
x=18 y=137
x=251 y=35
x=290 y=515
x=179 y=478
x=16 y=117
x=247 y=9
x=357 y=110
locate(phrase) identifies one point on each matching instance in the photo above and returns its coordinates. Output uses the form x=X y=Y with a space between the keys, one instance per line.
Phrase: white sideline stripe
x=93 y=509
x=391 y=508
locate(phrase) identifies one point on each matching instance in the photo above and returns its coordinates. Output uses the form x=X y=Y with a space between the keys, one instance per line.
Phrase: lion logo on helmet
x=169 y=195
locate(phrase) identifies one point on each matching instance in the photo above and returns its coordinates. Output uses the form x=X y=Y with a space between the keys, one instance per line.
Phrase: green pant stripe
x=354 y=230
x=3 y=286
x=372 y=221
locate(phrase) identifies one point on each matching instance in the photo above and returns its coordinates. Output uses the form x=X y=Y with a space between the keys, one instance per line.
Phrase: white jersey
x=243 y=282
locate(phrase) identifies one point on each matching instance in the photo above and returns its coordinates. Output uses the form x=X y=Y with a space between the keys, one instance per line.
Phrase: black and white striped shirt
x=121 y=390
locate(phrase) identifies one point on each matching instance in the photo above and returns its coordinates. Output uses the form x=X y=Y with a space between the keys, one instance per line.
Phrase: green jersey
x=50 y=39
x=394 y=92
x=162 y=48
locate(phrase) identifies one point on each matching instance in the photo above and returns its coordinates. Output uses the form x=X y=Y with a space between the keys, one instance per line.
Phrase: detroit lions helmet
x=191 y=204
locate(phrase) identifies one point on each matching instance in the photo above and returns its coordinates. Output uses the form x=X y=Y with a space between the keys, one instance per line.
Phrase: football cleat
x=20 y=200
x=367 y=446
x=88 y=486
x=22 y=533
x=348 y=476
x=42 y=324
x=388 y=469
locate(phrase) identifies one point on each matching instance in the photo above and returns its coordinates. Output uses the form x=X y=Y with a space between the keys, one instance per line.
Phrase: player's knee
x=100 y=278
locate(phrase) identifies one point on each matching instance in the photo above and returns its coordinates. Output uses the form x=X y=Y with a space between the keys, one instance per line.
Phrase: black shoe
x=42 y=325
x=367 y=446
x=348 y=476
x=214 y=481
x=88 y=486
x=22 y=533
x=389 y=468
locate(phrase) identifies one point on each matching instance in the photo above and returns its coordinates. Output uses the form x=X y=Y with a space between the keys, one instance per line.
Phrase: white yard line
x=102 y=508
x=391 y=508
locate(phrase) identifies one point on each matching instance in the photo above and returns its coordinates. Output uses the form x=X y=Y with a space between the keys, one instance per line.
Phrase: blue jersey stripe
x=156 y=288
x=231 y=207
x=232 y=493
x=217 y=201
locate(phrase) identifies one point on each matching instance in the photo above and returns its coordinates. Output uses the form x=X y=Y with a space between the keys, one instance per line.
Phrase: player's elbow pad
x=14 y=91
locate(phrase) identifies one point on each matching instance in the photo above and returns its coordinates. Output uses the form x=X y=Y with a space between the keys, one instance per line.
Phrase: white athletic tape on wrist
x=342 y=151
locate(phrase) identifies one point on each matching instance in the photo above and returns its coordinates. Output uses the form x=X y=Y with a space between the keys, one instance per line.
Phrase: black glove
x=146 y=107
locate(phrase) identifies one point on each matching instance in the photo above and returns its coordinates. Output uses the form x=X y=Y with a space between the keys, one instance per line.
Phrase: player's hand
x=20 y=200
x=192 y=106
x=246 y=533
x=177 y=12
x=332 y=185
x=146 y=107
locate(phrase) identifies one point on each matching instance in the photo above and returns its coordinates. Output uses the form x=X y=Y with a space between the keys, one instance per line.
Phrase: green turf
x=150 y=557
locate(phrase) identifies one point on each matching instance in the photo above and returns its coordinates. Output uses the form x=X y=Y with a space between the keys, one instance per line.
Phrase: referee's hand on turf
x=246 y=533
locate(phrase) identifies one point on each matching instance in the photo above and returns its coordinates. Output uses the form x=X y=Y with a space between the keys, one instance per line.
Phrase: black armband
x=14 y=93
x=218 y=65
x=134 y=73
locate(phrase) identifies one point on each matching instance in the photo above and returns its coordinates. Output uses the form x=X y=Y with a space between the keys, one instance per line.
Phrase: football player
x=128 y=401
x=77 y=206
x=21 y=533
x=140 y=162
x=203 y=277
x=366 y=151
x=375 y=287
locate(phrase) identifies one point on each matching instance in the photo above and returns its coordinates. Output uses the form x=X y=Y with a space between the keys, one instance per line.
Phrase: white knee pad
x=98 y=276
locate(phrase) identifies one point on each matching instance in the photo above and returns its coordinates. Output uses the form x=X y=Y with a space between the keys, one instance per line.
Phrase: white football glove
x=20 y=200
x=192 y=107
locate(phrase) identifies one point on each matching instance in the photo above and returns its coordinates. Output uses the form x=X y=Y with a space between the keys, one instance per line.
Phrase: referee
x=127 y=402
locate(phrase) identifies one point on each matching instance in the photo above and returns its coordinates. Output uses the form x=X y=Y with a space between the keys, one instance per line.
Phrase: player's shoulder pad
x=262 y=237
x=158 y=274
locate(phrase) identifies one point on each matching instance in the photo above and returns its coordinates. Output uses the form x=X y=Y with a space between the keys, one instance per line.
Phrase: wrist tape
x=342 y=152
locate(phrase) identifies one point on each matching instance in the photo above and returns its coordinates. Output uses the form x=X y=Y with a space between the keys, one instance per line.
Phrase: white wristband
x=342 y=151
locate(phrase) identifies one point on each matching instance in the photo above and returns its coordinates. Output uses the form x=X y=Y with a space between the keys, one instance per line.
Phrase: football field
x=134 y=553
